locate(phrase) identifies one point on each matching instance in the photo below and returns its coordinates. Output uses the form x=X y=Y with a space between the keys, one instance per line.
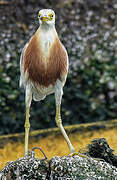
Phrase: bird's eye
x=51 y=15
x=39 y=15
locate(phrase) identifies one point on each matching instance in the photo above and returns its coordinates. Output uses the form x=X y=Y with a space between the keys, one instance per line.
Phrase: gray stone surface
x=59 y=168
x=26 y=168
x=81 y=168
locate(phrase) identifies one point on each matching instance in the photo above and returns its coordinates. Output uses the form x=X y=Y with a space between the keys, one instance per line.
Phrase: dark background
x=88 y=29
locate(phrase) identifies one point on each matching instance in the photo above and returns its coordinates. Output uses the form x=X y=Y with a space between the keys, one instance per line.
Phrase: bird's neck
x=47 y=31
x=47 y=35
x=46 y=27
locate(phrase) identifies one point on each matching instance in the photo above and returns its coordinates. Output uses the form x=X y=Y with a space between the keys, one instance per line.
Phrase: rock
x=99 y=148
x=74 y=167
x=26 y=168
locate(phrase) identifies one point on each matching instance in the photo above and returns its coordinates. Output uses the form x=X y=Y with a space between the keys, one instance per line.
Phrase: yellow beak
x=44 y=18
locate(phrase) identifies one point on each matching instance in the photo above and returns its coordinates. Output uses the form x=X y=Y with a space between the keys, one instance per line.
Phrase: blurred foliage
x=88 y=31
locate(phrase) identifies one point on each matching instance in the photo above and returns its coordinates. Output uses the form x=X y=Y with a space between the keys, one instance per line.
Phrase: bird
x=43 y=70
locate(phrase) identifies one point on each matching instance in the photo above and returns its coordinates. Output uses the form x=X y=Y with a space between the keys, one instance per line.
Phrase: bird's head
x=46 y=16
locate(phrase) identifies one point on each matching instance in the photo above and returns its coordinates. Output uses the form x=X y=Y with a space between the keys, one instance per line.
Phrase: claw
x=84 y=156
x=79 y=154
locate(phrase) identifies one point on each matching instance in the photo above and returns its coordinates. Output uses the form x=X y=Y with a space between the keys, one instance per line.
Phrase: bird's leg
x=59 y=124
x=27 y=122
x=27 y=128
x=58 y=97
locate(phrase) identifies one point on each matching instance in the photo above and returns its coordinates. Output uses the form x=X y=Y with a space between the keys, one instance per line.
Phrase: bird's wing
x=66 y=56
x=63 y=77
x=21 y=82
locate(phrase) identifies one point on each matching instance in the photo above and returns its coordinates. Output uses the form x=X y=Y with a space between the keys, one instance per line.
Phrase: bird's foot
x=78 y=154
x=84 y=156
x=28 y=153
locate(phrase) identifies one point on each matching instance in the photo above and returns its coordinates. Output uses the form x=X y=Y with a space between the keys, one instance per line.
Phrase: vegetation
x=88 y=31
